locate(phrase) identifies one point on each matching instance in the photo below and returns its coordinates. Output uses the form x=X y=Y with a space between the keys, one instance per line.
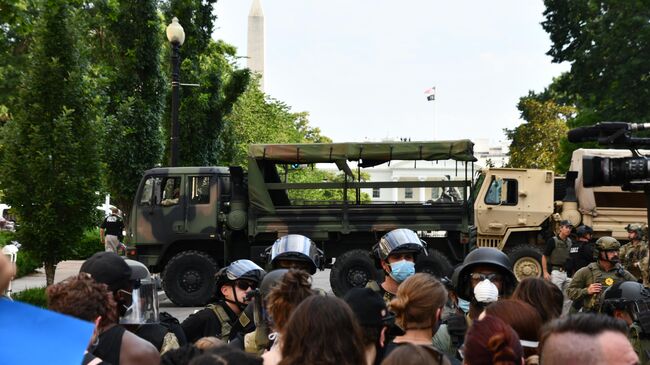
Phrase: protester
x=225 y=355
x=374 y=319
x=322 y=330
x=586 y=338
x=283 y=298
x=396 y=254
x=491 y=341
x=233 y=283
x=414 y=355
x=418 y=308
x=84 y=298
x=524 y=319
x=180 y=356
x=543 y=295
x=7 y=272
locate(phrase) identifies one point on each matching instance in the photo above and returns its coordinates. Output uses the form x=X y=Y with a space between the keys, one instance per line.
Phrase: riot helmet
x=270 y=280
x=583 y=231
x=628 y=296
x=399 y=240
x=636 y=228
x=240 y=270
x=295 y=247
x=485 y=256
x=143 y=308
x=605 y=244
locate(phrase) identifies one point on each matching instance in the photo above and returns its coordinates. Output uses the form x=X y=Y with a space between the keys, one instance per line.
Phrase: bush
x=25 y=262
x=33 y=296
x=87 y=246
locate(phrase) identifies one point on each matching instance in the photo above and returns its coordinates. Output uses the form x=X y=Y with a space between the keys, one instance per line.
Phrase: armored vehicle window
x=506 y=188
x=171 y=191
x=147 y=190
x=200 y=189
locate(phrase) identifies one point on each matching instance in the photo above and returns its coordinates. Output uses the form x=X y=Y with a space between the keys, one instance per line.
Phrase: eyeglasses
x=244 y=285
x=493 y=277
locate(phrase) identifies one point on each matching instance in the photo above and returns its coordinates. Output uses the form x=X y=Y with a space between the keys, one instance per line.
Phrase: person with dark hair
x=543 y=295
x=281 y=302
x=524 y=319
x=414 y=355
x=586 y=338
x=375 y=319
x=110 y=231
x=226 y=355
x=630 y=302
x=556 y=256
x=322 y=330
x=234 y=282
x=396 y=254
x=84 y=298
x=180 y=356
x=590 y=282
x=491 y=341
x=581 y=252
x=418 y=308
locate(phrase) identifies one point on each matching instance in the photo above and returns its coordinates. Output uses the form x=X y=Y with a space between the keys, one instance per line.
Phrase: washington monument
x=256 y=41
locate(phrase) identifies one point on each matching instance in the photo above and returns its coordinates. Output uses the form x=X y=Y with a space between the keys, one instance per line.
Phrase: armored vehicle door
x=160 y=209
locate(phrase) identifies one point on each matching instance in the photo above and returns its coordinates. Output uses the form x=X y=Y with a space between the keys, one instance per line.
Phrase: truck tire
x=435 y=264
x=188 y=279
x=353 y=269
x=526 y=261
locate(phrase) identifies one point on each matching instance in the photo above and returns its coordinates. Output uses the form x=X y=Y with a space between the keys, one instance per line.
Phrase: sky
x=361 y=67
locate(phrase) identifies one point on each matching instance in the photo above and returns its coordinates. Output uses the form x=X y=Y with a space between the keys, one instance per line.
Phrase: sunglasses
x=480 y=276
x=244 y=285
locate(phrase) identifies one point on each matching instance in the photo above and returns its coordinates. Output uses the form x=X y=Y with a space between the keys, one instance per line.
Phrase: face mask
x=401 y=270
x=463 y=305
x=486 y=292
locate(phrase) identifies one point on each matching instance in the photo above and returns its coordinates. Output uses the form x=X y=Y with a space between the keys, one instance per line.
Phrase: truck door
x=500 y=206
x=160 y=212
x=202 y=209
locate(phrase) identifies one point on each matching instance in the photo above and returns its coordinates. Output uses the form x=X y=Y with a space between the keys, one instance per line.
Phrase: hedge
x=34 y=296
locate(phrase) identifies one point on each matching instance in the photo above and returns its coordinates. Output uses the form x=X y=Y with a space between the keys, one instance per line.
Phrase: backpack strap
x=224 y=320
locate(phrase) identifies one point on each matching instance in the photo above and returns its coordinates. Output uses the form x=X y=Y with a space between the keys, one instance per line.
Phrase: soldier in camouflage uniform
x=634 y=255
x=591 y=281
x=630 y=302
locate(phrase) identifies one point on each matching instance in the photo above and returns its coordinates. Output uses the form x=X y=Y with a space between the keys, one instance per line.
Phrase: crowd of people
x=586 y=308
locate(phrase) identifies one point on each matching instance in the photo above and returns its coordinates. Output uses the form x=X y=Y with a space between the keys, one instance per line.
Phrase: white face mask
x=486 y=292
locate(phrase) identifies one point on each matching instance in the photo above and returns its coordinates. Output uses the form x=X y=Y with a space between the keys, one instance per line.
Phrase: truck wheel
x=526 y=261
x=435 y=264
x=188 y=279
x=353 y=269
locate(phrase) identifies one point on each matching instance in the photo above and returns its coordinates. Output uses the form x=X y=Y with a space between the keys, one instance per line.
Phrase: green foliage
x=26 y=263
x=536 y=143
x=136 y=106
x=50 y=164
x=315 y=196
x=33 y=296
x=87 y=245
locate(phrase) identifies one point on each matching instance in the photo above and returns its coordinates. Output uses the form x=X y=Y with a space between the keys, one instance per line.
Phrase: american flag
x=430 y=93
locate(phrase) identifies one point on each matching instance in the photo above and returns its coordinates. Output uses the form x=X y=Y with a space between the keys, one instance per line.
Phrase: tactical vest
x=560 y=254
x=374 y=286
x=606 y=279
x=640 y=342
x=224 y=320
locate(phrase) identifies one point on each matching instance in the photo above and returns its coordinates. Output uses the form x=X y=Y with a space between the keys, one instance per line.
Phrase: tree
x=50 y=163
x=212 y=65
x=536 y=142
x=133 y=142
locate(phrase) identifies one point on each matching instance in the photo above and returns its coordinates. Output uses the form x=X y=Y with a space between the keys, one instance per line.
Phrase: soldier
x=233 y=283
x=630 y=302
x=295 y=251
x=396 y=253
x=556 y=256
x=634 y=254
x=589 y=282
x=582 y=252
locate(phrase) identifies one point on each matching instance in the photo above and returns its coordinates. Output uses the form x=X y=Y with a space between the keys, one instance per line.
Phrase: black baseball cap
x=566 y=222
x=108 y=268
x=369 y=307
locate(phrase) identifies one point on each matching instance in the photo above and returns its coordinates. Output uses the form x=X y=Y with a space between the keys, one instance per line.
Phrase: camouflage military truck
x=187 y=221
x=516 y=210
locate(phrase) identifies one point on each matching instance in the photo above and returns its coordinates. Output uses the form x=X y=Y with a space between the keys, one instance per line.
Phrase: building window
x=408 y=193
x=375 y=192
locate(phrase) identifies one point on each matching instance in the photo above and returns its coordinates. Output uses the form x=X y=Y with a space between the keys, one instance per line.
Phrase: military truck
x=517 y=210
x=185 y=222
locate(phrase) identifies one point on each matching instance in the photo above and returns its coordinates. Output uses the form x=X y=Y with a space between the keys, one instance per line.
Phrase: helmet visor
x=239 y=268
x=292 y=243
x=402 y=240
x=144 y=307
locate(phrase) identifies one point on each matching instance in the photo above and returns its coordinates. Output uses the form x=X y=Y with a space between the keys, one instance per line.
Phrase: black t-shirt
x=206 y=323
x=110 y=344
x=113 y=225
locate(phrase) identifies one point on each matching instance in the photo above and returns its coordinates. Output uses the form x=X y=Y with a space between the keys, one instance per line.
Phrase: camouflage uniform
x=640 y=342
x=634 y=258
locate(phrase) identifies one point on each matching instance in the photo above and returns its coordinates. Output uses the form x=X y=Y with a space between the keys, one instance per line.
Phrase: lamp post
x=176 y=37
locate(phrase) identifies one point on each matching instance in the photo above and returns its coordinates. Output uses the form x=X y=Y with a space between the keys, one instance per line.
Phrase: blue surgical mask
x=463 y=305
x=401 y=270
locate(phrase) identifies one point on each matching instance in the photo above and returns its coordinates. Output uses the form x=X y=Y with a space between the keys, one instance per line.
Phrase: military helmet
x=637 y=228
x=606 y=244
x=298 y=248
x=239 y=270
x=623 y=294
x=399 y=240
x=487 y=256
x=583 y=231
x=270 y=280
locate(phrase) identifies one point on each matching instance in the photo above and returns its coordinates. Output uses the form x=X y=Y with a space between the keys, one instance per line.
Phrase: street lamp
x=176 y=36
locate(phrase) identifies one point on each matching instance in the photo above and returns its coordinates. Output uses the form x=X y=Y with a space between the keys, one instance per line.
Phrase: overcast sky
x=361 y=67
